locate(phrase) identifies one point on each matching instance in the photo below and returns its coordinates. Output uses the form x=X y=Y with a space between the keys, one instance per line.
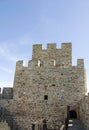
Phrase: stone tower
x=51 y=68
x=50 y=83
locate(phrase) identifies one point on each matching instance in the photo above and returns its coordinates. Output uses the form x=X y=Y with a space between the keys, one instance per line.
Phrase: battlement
x=7 y=93
x=51 y=46
x=67 y=46
x=62 y=56
x=39 y=47
x=50 y=57
x=39 y=52
x=19 y=64
x=53 y=55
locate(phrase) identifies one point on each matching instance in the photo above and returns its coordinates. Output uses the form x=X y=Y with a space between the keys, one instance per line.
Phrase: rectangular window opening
x=45 y=97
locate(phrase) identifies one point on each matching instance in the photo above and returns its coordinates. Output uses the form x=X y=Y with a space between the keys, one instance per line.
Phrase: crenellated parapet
x=50 y=57
x=52 y=52
x=53 y=62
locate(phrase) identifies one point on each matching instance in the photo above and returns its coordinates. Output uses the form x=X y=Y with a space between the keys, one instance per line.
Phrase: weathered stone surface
x=4 y=126
x=45 y=88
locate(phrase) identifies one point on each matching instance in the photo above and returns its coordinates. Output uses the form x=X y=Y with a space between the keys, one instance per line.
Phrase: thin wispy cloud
x=6 y=53
x=14 y=51
x=6 y=70
x=1 y=50
x=26 y=40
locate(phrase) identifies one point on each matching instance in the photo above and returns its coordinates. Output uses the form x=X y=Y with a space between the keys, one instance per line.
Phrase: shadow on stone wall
x=5 y=115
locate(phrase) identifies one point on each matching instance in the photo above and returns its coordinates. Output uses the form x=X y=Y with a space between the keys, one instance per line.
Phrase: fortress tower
x=50 y=82
x=46 y=88
x=50 y=70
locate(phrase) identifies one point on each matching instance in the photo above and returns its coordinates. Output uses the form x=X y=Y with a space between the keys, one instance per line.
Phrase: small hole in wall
x=61 y=73
x=53 y=85
x=45 y=97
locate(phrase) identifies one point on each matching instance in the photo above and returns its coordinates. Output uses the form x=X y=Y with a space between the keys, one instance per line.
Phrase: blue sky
x=27 y=22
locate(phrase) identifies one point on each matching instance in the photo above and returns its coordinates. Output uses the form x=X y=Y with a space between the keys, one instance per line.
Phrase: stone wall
x=44 y=90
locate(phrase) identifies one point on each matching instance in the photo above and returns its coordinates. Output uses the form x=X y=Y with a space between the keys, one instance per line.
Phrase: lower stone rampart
x=84 y=111
x=7 y=116
x=7 y=93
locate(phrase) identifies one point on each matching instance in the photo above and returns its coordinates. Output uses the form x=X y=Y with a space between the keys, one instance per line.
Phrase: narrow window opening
x=45 y=97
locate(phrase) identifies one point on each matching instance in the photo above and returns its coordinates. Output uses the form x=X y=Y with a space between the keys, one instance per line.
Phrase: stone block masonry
x=45 y=88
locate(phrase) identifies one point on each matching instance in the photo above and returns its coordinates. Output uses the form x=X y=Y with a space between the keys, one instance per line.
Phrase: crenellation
x=37 y=49
x=19 y=64
x=67 y=46
x=51 y=47
x=80 y=63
